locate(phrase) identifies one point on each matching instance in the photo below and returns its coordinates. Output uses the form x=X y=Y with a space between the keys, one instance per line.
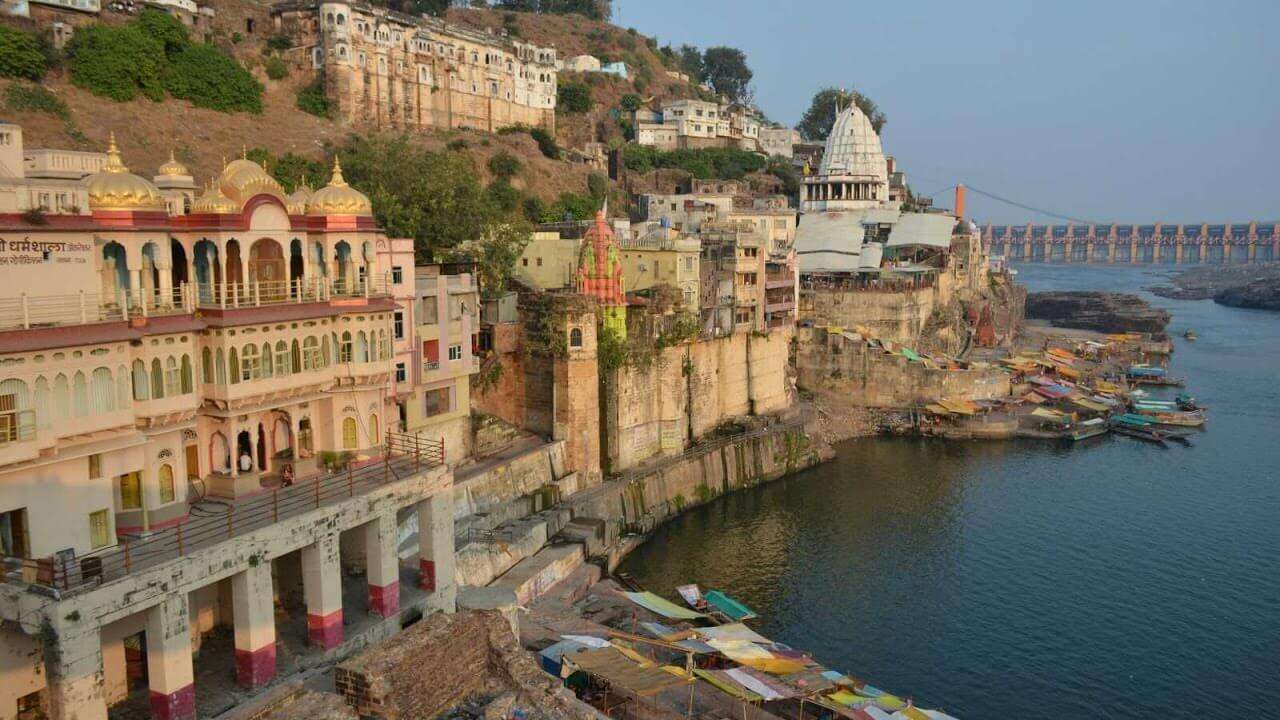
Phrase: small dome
x=115 y=188
x=213 y=202
x=338 y=198
x=297 y=204
x=173 y=168
x=242 y=179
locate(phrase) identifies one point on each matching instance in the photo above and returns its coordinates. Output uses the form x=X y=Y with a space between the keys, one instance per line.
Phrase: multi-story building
x=193 y=429
x=446 y=324
x=692 y=123
x=779 y=140
x=662 y=255
x=389 y=69
x=733 y=272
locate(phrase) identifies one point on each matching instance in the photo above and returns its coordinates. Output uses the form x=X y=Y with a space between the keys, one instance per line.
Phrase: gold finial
x=114 y=164
x=337 y=180
x=244 y=152
x=171 y=157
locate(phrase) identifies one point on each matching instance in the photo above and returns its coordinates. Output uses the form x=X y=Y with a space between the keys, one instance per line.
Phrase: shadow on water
x=1031 y=579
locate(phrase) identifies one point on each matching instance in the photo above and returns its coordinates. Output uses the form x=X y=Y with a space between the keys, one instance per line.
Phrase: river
x=1027 y=579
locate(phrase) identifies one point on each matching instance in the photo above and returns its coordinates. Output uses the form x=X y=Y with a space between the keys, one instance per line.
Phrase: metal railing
x=39 y=311
x=17 y=426
x=404 y=455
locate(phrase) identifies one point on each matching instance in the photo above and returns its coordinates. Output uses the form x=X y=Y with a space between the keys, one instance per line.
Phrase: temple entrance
x=208 y=270
x=234 y=272
x=178 y=268
x=267 y=269
x=244 y=451
x=295 y=266
x=115 y=272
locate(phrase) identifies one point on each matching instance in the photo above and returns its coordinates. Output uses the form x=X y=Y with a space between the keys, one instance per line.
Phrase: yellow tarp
x=844 y=697
x=912 y=713
x=959 y=406
x=1107 y=387
x=730 y=688
x=1064 y=354
x=1048 y=414
x=937 y=409
x=1068 y=372
x=1090 y=405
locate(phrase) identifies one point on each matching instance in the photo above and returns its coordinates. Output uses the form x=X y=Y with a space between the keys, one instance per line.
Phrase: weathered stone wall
x=649 y=411
x=898 y=316
x=870 y=377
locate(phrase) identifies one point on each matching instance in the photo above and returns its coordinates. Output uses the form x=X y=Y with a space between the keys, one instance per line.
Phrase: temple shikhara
x=600 y=274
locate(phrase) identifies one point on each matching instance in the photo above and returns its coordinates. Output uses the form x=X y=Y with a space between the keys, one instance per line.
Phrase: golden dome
x=297 y=204
x=173 y=168
x=242 y=179
x=214 y=202
x=115 y=188
x=338 y=198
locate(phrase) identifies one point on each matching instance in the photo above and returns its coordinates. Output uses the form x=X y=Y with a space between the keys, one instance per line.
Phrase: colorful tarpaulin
x=758 y=684
x=623 y=672
x=662 y=606
x=733 y=631
x=721 y=680
x=733 y=609
x=691 y=594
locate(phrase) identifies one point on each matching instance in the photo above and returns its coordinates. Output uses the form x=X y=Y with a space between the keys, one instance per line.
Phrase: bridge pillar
x=1253 y=252
x=1026 y=251
x=1155 y=254
x=1133 y=251
x=1177 y=254
x=1111 y=252
x=1066 y=251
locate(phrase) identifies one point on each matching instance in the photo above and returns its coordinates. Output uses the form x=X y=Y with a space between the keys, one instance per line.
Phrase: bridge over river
x=1169 y=244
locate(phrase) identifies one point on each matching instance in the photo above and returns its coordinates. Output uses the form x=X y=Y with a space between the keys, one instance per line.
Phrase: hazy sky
x=1121 y=110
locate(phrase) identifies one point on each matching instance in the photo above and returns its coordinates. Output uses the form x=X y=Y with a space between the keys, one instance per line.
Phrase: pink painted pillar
x=383 y=565
x=253 y=613
x=322 y=590
x=169 y=672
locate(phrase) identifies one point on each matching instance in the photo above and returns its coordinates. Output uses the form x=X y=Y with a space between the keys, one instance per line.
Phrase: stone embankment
x=1099 y=311
x=1263 y=294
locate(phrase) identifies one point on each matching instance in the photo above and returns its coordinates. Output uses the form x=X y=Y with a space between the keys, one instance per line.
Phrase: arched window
x=172 y=377
x=188 y=382
x=167 y=493
x=206 y=366
x=43 y=401
x=282 y=359
x=16 y=422
x=575 y=337
x=220 y=367
x=362 y=347
x=250 y=363
x=102 y=394
x=311 y=354
x=349 y=433
x=324 y=351
x=157 y=379
x=295 y=359
x=80 y=395
x=268 y=367
x=62 y=397
x=123 y=387
x=141 y=387
x=374 y=433
x=344 y=350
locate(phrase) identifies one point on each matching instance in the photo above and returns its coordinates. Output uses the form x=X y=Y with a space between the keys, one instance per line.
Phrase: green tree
x=504 y=165
x=517 y=5
x=816 y=123
x=691 y=62
x=546 y=142
x=597 y=186
x=533 y=208
x=164 y=27
x=495 y=254
x=276 y=68
x=202 y=74
x=573 y=97
x=117 y=61
x=726 y=70
x=631 y=102
x=504 y=197
x=20 y=55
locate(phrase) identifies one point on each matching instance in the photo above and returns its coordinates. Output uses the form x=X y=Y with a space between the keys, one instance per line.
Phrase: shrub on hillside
x=722 y=163
x=20 y=55
x=165 y=28
x=278 y=43
x=546 y=142
x=202 y=74
x=311 y=99
x=572 y=97
x=504 y=165
x=35 y=98
x=597 y=185
x=117 y=61
x=630 y=102
x=533 y=208
x=276 y=68
x=503 y=196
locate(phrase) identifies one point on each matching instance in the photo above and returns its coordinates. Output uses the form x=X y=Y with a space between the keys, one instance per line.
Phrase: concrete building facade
x=392 y=70
x=194 y=424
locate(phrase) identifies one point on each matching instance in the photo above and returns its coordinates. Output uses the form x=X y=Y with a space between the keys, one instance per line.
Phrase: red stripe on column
x=325 y=631
x=427 y=581
x=177 y=705
x=384 y=601
x=255 y=668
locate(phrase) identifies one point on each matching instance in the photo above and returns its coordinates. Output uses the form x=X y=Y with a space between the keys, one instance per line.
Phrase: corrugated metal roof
x=924 y=229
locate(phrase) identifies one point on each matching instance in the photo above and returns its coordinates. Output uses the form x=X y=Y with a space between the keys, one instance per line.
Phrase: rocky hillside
x=1098 y=311
x=201 y=138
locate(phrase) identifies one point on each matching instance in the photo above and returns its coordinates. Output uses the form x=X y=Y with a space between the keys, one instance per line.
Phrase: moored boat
x=1087 y=429
x=1189 y=335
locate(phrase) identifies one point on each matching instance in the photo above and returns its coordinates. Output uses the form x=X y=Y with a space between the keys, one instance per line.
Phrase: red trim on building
x=325 y=631
x=427 y=578
x=177 y=705
x=384 y=601
x=128 y=529
x=255 y=668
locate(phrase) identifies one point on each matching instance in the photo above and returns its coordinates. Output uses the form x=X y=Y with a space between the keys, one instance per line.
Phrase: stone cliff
x=1098 y=311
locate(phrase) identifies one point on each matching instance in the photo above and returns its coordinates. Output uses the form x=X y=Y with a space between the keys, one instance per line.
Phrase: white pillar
x=169 y=670
x=253 y=614
x=435 y=550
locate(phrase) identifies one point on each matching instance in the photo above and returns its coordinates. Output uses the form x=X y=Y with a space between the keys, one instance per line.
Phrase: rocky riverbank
x=1104 y=312
x=1250 y=286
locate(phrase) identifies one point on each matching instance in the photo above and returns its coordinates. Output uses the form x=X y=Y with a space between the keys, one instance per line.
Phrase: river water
x=1027 y=579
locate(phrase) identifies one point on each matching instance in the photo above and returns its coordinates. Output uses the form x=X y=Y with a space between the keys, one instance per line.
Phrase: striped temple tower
x=600 y=274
